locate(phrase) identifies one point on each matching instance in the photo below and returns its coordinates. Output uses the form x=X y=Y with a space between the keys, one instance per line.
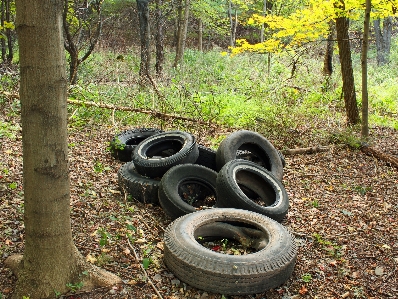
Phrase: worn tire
x=123 y=144
x=185 y=185
x=240 y=182
x=254 y=143
x=250 y=157
x=148 y=159
x=207 y=157
x=141 y=188
x=215 y=272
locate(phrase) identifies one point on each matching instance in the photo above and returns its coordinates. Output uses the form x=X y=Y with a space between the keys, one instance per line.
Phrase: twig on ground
x=143 y=269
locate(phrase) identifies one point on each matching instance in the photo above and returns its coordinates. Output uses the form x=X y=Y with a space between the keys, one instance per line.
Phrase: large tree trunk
x=159 y=38
x=328 y=58
x=364 y=64
x=143 y=15
x=50 y=260
x=342 y=25
x=383 y=40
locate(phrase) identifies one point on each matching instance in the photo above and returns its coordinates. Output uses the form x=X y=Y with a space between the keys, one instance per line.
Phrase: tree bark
x=364 y=65
x=383 y=40
x=328 y=59
x=50 y=259
x=10 y=54
x=143 y=15
x=182 y=31
x=2 y=40
x=200 y=35
x=342 y=26
x=159 y=38
x=178 y=33
x=263 y=25
x=231 y=25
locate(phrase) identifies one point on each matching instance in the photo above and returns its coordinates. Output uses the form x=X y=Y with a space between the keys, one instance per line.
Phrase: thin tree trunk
x=50 y=259
x=182 y=33
x=178 y=33
x=364 y=64
x=159 y=38
x=328 y=59
x=263 y=25
x=10 y=54
x=383 y=40
x=342 y=26
x=200 y=35
x=231 y=24
x=3 y=42
x=143 y=15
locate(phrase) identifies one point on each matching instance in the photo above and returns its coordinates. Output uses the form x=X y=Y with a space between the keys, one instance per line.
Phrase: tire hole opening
x=164 y=149
x=231 y=237
x=197 y=194
x=254 y=153
x=256 y=188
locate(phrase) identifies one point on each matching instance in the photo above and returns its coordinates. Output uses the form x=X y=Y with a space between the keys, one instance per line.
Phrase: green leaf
x=13 y=186
x=131 y=227
x=146 y=262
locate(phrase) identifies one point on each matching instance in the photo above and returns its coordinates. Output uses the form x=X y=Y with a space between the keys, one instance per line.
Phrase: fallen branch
x=139 y=110
x=305 y=150
x=389 y=159
x=124 y=108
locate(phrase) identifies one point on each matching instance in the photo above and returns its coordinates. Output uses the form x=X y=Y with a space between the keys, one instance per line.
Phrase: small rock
x=175 y=282
x=157 y=277
x=204 y=296
x=379 y=271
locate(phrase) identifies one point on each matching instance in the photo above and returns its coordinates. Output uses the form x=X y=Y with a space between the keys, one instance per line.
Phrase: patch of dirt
x=347 y=241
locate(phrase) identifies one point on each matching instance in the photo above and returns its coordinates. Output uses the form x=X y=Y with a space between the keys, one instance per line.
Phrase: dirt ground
x=343 y=214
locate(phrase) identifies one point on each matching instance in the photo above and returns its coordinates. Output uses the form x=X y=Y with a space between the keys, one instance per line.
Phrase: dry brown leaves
x=343 y=212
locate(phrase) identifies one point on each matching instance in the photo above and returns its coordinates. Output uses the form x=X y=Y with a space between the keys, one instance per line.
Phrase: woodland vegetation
x=317 y=78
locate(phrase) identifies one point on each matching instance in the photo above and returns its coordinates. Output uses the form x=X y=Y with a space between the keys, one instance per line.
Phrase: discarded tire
x=246 y=155
x=148 y=155
x=187 y=188
x=212 y=271
x=123 y=144
x=207 y=157
x=252 y=142
x=246 y=185
x=141 y=188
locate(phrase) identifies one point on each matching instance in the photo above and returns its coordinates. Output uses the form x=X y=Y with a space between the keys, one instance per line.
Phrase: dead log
x=391 y=160
x=305 y=150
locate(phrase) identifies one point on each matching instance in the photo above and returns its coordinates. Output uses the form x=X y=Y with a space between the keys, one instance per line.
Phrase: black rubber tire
x=239 y=182
x=215 y=272
x=141 y=188
x=184 y=185
x=254 y=143
x=147 y=155
x=207 y=157
x=123 y=144
x=249 y=156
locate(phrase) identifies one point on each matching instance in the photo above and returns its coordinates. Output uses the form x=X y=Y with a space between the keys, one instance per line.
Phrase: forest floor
x=343 y=214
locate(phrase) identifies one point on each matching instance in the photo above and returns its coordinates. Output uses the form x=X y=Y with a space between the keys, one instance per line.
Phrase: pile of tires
x=235 y=192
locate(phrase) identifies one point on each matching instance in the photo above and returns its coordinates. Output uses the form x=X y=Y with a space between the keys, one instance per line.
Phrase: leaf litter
x=347 y=241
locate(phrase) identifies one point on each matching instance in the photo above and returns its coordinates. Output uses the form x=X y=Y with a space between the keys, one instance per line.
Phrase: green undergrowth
x=235 y=92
